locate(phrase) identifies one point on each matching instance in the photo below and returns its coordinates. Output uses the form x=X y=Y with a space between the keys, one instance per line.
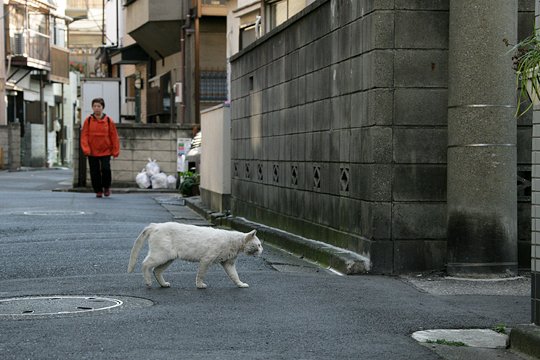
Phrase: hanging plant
x=526 y=63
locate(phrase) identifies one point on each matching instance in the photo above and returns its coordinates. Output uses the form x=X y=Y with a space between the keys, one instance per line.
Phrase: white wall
x=216 y=150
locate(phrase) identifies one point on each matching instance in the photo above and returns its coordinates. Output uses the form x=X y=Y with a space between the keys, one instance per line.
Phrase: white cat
x=171 y=240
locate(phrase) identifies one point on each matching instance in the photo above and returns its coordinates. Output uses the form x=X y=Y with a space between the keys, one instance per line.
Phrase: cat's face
x=253 y=244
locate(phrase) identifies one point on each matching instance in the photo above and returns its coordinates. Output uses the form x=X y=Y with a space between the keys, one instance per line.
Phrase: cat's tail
x=143 y=236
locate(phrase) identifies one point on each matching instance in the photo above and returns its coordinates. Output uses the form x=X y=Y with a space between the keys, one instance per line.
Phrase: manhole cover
x=47 y=306
x=54 y=212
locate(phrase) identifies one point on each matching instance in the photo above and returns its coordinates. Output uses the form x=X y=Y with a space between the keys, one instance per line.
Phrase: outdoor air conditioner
x=18 y=47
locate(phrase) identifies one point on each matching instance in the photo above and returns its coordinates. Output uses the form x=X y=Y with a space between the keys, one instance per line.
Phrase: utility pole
x=481 y=193
x=3 y=107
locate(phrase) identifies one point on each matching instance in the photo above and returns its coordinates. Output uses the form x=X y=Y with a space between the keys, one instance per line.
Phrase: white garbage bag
x=159 y=181
x=143 y=180
x=171 y=182
x=152 y=168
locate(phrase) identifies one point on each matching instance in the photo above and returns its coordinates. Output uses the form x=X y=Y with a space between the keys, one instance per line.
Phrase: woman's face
x=97 y=108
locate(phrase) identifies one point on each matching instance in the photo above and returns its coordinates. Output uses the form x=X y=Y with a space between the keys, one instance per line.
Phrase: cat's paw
x=242 y=285
x=166 y=285
x=201 y=286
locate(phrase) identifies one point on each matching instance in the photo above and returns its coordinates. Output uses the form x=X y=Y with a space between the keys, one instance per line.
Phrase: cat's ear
x=251 y=235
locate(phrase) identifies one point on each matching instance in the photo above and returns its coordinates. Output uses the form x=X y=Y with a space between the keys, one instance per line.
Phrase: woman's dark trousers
x=100 y=172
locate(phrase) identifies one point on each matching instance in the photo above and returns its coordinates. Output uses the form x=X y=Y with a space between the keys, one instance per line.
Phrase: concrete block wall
x=138 y=143
x=10 y=142
x=339 y=129
x=4 y=145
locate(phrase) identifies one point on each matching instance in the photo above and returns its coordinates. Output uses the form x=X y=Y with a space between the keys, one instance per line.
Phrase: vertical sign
x=182 y=148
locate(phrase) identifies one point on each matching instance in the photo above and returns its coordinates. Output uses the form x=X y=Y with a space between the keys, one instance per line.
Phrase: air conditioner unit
x=18 y=46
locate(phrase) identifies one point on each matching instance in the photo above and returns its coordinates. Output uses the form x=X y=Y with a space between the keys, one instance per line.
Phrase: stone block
x=358 y=109
x=421 y=4
x=355 y=75
x=357 y=40
x=376 y=145
x=371 y=182
x=418 y=255
x=332 y=183
x=379 y=107
x=322 y=115
x=381 y=30
x=375 y=220
x=355 y=148
x=123 y=165
x=419 y=221
x=344 y=146
x=421 y=68
x=373 y=5
x=421 y=29
x=419 y=183
x=379 y=69
x=300 y=155
x=421 y=106
x=333 y=150
x=341 y=112
x=414 y=146
x=382 y=257
x=323 y=49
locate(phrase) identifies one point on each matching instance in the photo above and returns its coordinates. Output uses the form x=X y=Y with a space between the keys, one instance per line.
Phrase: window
x=58 y=31
x=278 y=11
x=247 y=35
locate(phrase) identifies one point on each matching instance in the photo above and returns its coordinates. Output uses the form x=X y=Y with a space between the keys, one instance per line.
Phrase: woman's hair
x=99 y=101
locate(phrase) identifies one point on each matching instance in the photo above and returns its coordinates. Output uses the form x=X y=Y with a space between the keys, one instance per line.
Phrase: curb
x=526 y=340
x=325 y=255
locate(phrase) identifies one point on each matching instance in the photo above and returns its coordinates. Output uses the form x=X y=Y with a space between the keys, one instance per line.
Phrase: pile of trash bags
x=151 y=177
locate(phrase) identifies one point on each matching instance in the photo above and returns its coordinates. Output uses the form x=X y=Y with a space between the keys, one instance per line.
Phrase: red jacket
x=99 y=137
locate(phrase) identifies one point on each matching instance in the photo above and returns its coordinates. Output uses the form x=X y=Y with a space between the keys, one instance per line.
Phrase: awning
x=131 y=54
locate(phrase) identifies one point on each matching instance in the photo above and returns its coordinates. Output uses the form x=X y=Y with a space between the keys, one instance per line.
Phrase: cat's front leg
x=230 y=268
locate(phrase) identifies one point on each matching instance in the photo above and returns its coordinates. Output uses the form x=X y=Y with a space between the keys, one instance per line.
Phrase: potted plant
x=526 y=60
x=189 y=183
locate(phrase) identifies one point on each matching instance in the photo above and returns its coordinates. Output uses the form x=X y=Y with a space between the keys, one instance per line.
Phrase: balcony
x=156 y=25
x=59 y=65
x=78 y=9
x=29 y=48
x=214 y=7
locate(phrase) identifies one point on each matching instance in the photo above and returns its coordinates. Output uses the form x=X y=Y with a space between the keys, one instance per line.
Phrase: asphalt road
x=64 y=244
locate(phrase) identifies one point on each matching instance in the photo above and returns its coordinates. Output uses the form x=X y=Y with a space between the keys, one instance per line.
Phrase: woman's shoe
x=99 y=194
x=107 y=192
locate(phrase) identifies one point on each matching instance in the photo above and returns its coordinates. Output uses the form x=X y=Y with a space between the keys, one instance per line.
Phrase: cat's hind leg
x=158 y=273
x=148 y=264
x=201 y=273
x=230 y=268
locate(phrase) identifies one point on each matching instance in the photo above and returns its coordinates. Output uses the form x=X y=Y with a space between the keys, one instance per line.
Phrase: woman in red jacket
x=99 y=141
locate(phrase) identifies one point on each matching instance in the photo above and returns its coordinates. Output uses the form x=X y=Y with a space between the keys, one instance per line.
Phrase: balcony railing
x=31 y=45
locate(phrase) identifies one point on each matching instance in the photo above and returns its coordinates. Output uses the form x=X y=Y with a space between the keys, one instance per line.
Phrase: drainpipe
x=43 y=111
x=197 y=70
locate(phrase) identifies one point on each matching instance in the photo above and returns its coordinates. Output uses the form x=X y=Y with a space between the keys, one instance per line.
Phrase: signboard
x=182 y=148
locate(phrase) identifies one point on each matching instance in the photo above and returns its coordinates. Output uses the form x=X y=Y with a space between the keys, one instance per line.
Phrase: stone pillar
x=482 y=199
